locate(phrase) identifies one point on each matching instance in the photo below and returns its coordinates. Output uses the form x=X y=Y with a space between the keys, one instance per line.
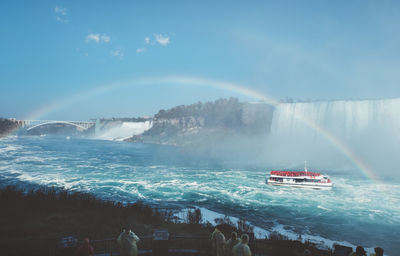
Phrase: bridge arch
x=58 y=122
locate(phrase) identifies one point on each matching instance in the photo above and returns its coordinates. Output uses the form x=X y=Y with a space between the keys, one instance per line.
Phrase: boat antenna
x=305 y=165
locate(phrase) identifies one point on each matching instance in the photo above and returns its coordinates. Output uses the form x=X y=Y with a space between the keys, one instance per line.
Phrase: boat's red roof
x=295 y=173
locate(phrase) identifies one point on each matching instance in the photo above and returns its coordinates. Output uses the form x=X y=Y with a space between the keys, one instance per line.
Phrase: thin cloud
x=117 y=53
x=60 y=10
x=93 y=37
x=61 y=13
x=140 y=50
x=105 y=38
x=59 y=19
x=98 y=38
x=149 y=42
x=162 y=40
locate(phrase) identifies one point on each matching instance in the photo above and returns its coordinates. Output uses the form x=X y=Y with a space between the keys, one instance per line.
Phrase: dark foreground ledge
x=33 y=222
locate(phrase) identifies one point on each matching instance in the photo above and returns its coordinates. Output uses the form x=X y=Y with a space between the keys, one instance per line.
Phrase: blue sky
x=53 y=50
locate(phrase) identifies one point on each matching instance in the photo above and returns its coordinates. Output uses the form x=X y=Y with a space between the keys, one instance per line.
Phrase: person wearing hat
x=359 y=252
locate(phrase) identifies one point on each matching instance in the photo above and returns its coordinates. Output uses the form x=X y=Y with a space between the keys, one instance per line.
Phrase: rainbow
x=197 y=81
x=184 y=80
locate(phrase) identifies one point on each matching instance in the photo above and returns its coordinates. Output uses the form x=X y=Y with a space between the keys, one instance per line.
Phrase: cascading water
x=97 y=127
x=369 y=128
x=123 y=131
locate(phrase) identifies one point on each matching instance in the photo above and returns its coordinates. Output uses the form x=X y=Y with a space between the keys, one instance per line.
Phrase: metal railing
x=177 y=245
x=180 y=245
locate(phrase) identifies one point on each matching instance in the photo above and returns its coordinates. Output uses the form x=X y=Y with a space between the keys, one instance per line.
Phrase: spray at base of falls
x=123 y=131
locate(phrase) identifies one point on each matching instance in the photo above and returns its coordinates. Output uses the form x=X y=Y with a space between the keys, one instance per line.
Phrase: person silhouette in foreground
x=242 y=249
x=218 y=242
x=359 y=252
x=85 y=249
x=231 y=243
x=127 y=242
x=378 y=252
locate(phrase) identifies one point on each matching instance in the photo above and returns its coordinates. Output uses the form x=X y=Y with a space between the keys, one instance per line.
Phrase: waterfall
x=97 y=126
x=123 y=130
x=310 y=130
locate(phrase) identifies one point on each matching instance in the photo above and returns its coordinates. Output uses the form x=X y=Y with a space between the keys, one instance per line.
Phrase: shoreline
x=261 y=233
x=43 y=216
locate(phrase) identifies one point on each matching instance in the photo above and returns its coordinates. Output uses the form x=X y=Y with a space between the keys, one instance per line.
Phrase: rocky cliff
x=7 y=126
x=212 y=122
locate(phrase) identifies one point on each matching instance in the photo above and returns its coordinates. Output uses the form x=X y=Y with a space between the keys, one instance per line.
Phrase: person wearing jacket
x=127 y=241
x=242 y=249
x=231 y=243
x=218 y=242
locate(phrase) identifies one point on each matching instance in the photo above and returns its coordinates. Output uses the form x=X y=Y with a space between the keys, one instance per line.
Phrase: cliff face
x=8 y=125
x=211 y=121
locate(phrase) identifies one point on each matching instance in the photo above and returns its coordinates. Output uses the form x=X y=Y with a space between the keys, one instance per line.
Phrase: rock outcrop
x=211 y=121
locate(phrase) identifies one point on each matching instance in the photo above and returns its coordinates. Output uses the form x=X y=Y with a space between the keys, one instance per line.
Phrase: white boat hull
x=324 y=186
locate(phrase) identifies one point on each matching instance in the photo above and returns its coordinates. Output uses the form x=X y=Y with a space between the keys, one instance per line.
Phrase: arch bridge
x=32 y=124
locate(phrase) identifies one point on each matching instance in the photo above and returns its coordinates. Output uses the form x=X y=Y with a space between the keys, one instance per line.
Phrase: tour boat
x=302 y=179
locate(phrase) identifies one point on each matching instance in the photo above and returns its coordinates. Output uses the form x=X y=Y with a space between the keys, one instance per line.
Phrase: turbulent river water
x=357 y=211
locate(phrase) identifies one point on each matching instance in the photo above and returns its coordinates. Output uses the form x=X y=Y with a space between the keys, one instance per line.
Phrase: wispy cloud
x=149 y=42
x=60 y=10
x=61 y=13
x=59 y=19
x=93 y=37
x=117 y=53
x=105 y=38
x=140 y=50
x=98 y=38
x=162 y=40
